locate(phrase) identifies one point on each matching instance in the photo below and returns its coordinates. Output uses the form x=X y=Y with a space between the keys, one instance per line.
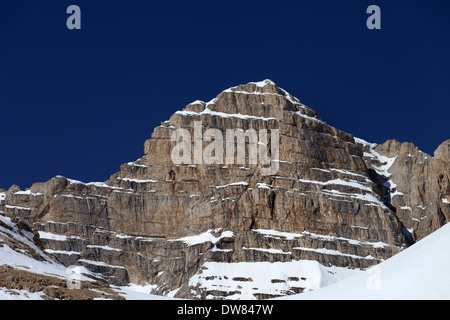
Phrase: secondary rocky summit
x=334 y=204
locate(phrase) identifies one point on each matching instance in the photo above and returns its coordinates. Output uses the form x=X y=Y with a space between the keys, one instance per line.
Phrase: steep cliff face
x=218 y=224
x=417 y=184
x=27 y=272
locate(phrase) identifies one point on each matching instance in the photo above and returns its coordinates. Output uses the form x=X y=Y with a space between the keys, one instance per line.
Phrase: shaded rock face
x=26 y=271
x=419 y=190
x=332 y=199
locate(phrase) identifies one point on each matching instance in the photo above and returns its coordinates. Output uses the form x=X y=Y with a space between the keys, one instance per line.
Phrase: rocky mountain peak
x=190 y=228
x=262 y=87
x=259 y=99
x=443 y=151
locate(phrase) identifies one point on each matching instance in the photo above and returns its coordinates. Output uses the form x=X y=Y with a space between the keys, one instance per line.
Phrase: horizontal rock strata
x=333 y=199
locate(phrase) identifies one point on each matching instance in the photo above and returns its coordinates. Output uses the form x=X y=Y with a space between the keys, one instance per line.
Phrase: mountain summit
x=216 y=224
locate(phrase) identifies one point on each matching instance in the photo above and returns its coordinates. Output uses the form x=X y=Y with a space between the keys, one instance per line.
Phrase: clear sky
x=79 y=103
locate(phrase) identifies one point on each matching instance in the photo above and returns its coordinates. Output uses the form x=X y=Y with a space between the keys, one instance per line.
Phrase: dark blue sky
x=79 y=103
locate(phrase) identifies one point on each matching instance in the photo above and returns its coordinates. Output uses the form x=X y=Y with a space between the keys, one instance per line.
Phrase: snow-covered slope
x=18 y=251
x=29 y=273
x=262 y=280
x=419 y=272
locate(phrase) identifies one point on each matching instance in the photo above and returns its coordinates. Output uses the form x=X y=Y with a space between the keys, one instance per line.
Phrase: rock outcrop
x=418 y=185
x=314 y=196
x=27 y=272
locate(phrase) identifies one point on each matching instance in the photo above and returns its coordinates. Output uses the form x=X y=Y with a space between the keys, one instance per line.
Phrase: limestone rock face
x=312 y=195
x=25 y=267
x=419 y=190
